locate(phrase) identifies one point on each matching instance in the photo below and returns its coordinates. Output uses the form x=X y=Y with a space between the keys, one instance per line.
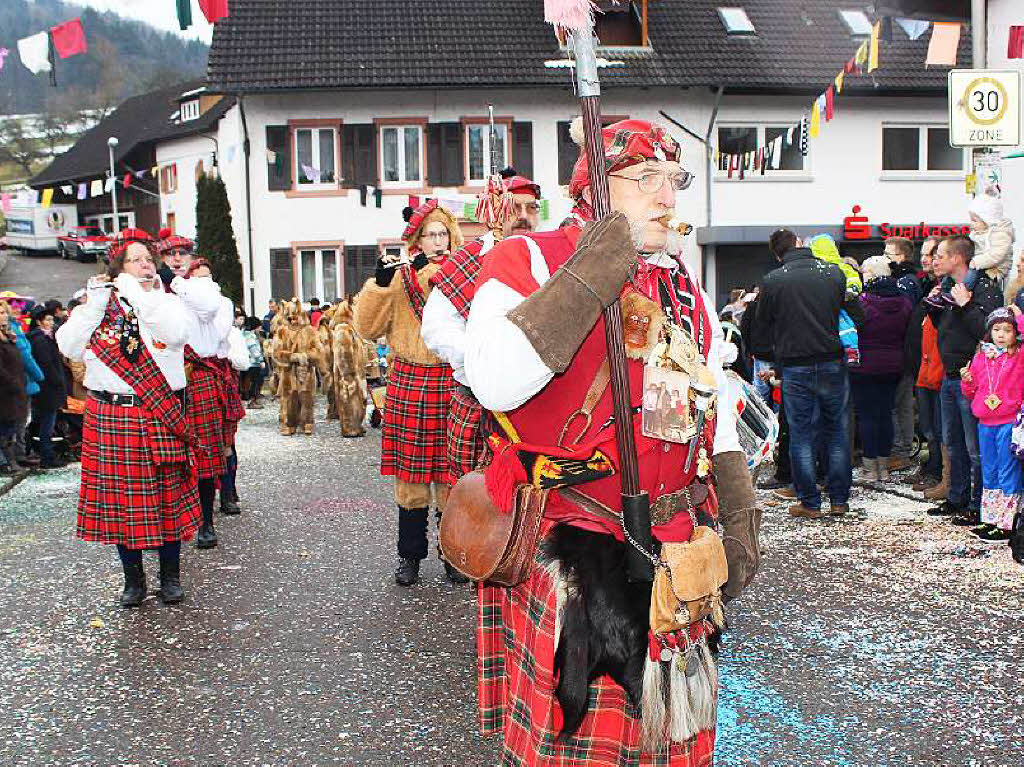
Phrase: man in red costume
x=446 y=311
x=561 y=655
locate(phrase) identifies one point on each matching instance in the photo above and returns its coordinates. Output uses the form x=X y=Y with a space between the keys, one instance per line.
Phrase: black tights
x=207 y=490
x=170 y=553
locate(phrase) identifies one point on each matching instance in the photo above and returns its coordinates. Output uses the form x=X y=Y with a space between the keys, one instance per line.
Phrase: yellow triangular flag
x=862 y=53
x=154 y=171
x=839 y=82
x=876 y=30
x=815 y=120
x=47 y=197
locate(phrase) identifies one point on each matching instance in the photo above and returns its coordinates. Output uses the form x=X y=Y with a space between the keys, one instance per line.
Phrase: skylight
x=736 y=21
x=857 y=22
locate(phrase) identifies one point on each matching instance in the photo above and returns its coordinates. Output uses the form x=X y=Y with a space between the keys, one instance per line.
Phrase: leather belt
x=663 y=508
x=126 y=400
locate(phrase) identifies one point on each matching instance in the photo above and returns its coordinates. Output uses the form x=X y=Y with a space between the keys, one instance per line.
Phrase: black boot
x=206 y=538
x=171 y=592
x=452 y=574
x=229 y=506
x=408 y=572
x=967 y=518
x=134 y=585
x=945 y=509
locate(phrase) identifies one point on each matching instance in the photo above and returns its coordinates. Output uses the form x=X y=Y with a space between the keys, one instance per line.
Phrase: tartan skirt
x=417 y=401
x=466 y=444
x=516 y=691
x=205 y=413
x=125 y=496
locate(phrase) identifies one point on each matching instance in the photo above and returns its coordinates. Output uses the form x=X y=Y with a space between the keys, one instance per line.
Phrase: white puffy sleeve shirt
x=161 y=327
x=209 y=315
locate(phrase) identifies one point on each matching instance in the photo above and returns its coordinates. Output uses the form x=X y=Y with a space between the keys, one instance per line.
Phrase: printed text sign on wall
x=984 y=108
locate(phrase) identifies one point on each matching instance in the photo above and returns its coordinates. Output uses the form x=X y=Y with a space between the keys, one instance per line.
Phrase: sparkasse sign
x=858 y=227
x=984 y=108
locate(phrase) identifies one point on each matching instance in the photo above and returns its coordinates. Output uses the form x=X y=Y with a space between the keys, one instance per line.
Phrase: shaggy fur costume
x=297 y=354
x=348 y=372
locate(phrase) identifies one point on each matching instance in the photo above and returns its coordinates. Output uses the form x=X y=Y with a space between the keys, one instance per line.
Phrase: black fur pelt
x=605 y=621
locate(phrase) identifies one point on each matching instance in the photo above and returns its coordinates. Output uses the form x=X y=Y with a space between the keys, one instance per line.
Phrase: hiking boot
x=171 y=592
x=941 y=490
x=134 y=585
x=944 y=509
x=839 y=509
x=925 y=483
x=898 y=463
x=799 y=510
x=785 y=493
x=307 y=429
x=408 y=572
x=454 y=575
x=206 y=538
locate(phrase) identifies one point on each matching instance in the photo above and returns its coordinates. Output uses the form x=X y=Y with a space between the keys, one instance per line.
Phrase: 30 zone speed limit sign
x=984 y=108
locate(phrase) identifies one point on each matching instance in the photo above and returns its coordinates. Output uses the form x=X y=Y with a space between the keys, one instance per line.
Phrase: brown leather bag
x=484 y=543
x=688 y=583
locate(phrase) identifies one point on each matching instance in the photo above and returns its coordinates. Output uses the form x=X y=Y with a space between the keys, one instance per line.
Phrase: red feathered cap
x=521 y=185
x=126 y=237
x=627 y=142
x=170 y=241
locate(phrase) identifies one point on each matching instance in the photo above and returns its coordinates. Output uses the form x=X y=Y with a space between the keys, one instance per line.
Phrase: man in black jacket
x=52 y=395
x=959 y=317
x=900 y=252
x=799 y=311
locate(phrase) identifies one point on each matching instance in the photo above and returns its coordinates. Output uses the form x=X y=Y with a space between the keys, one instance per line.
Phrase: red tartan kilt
x=205 y=414
x=125 y=497
x=466 y=445
x=516 y=691
x=414 y=443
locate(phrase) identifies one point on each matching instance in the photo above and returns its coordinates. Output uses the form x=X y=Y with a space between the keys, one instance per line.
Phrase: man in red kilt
x=138 y=488
x=571 y=668
x=419 y=387
x=444 y=319
x=214 y=406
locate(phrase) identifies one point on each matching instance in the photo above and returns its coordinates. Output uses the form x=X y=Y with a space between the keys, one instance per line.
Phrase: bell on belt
x=704 y=395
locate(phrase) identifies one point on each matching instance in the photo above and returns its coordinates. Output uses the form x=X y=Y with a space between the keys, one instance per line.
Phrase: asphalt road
x=44 y=277
x=883 y=639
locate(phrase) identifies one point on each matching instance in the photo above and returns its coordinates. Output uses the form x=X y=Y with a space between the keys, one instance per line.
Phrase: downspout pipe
x=246 y=148
x=708 y=173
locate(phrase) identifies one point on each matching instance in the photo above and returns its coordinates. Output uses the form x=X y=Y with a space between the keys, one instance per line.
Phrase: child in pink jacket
x=995 y=385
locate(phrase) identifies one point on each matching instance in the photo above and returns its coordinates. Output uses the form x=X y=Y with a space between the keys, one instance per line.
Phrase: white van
x=34 y=229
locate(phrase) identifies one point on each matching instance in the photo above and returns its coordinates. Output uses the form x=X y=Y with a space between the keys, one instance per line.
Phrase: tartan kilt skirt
x=467 y=447
x=413 y=446
x=125 y=496
x=205 y=414
x=516 y=683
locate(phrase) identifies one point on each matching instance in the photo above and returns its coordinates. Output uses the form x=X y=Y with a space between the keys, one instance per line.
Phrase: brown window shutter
x=360 y=264
x=453 y=167
x=359 y=155
x=435 y=165
x=279 y=172
x=522 y=148
x=282 y=274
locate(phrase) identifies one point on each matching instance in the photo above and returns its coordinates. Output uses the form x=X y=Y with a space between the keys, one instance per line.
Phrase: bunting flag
x=140 y=173
x=96 y=188
x=815 y=119
x=214 y=10
x=83 y=191
x=5 y=203
x=67 y=189
x=943 y=45
x=127 y=180
x=861 y=56
x=839 y=81
x=108 y=185
x=876 y=30
x=1014 y=49
x=69 y=38
x=154 y=171
x=35 y=53
x=830 y=99
x=47 y=199
x=914 y=27
x=184 y=14
x=3 y=55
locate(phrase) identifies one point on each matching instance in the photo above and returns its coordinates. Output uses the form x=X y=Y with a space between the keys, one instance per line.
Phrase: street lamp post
x=111 y=143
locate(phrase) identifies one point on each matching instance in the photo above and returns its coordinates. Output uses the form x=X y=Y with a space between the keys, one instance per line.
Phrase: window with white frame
x=480 y=151
x=919 y=149
x=315 y=157
x=740 y=139
x=401 y=151
x=319 y=275
x=391 y=251
x=190 y=110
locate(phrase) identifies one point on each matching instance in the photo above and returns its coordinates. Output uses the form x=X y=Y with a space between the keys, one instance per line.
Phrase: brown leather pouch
x=484 y=543
x=688 y=584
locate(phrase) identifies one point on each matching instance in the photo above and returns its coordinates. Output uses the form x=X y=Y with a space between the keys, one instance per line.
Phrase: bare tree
x=20 y=146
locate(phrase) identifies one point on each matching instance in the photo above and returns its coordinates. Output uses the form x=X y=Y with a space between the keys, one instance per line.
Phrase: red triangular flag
x=127 y=180
x=214 y=10
x=830 y=97
x=69 y=38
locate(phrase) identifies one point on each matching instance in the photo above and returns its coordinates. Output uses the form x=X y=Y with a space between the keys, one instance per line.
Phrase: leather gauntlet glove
x=557 y=318
x=741 y=521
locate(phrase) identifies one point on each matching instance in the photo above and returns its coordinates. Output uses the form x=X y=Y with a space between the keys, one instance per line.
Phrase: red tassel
x=503 y=477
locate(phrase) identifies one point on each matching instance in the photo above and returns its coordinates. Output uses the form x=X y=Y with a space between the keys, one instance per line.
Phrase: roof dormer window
x=189 y=110
x=736 y=21
x=857 y=22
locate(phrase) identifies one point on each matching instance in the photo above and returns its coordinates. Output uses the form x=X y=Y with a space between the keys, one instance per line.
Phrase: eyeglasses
x=140 y=260
x=436 y=235
x=651 y=182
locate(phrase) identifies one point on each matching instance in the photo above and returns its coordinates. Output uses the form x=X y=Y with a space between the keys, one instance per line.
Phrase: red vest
x=540 y=420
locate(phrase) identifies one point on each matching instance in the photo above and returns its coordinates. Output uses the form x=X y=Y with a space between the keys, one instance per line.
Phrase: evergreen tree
x=215 y=239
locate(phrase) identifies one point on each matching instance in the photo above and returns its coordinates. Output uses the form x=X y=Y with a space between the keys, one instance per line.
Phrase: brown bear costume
x=297 y=354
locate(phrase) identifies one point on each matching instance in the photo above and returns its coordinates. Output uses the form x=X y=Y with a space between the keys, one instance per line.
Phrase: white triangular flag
x=914 y=27
x=67 y=189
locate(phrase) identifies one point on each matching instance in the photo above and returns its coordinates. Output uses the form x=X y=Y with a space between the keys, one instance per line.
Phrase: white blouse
x=161 y=326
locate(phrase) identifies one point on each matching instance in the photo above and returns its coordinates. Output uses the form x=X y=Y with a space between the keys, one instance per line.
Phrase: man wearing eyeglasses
x=444 y=319
x=535 y=352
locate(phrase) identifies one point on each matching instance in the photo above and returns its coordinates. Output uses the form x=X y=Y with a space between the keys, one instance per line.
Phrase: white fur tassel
x=576 y=131
x=702 y=689
x=653 y=713
x=570 y=15
x=681 y=724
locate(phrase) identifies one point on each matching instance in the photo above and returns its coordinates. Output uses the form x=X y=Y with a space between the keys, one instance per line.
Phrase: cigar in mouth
x=671 y=222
